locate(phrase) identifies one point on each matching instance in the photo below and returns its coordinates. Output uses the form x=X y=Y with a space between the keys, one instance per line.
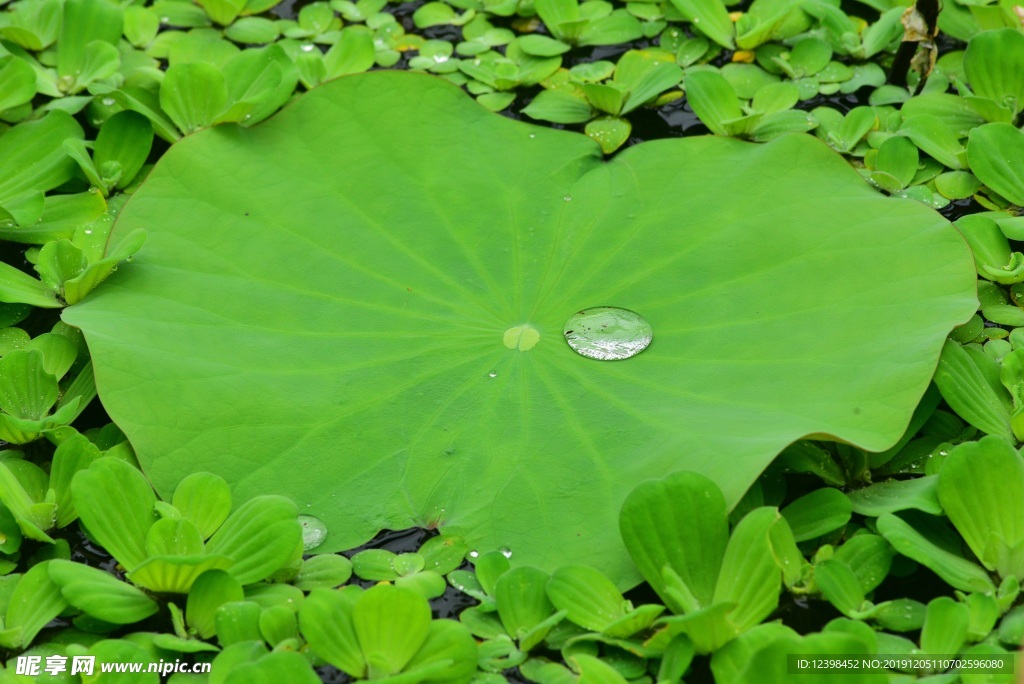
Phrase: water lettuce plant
x=408 y=361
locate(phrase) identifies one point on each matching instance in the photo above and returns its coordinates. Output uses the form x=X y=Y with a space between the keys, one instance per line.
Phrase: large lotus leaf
x=360 y=304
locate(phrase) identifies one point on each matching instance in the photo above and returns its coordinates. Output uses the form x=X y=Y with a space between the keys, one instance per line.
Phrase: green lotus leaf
x=360 y=305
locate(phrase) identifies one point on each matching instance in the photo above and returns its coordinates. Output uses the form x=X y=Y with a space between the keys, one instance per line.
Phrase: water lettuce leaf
x=360 y=304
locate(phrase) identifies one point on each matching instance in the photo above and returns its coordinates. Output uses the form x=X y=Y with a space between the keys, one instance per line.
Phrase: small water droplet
x=108 y=102
x=492 y=374
x=308 y=47
x=533 y=135
x=88 y=232
x=567 y=198
x=165 y=20
x=473 y=554
x=608 y=333
x=313 y=531
x=440 y=58
x=505 y=551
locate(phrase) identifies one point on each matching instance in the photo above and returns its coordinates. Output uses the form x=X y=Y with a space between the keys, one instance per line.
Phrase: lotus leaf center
x=522 y=337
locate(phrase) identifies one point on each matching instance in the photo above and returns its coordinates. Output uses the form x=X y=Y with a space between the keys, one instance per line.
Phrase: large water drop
x=313 y=531
x=608 y=333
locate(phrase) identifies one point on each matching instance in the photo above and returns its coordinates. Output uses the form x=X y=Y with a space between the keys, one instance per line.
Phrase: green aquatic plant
x=454 y=299
x=798 y=297
x=386 y=632
x=165 y=546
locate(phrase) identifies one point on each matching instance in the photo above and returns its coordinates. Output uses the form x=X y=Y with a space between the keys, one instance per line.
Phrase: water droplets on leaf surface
x=313 y=531
x=608 y=333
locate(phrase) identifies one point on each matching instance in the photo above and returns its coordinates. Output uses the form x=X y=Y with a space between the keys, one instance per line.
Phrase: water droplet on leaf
x=492 y=374
x=108 y=102
x=608 y=333
x=313 y=531
x=473 y=554
x=568 y=198
x=505 y=551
